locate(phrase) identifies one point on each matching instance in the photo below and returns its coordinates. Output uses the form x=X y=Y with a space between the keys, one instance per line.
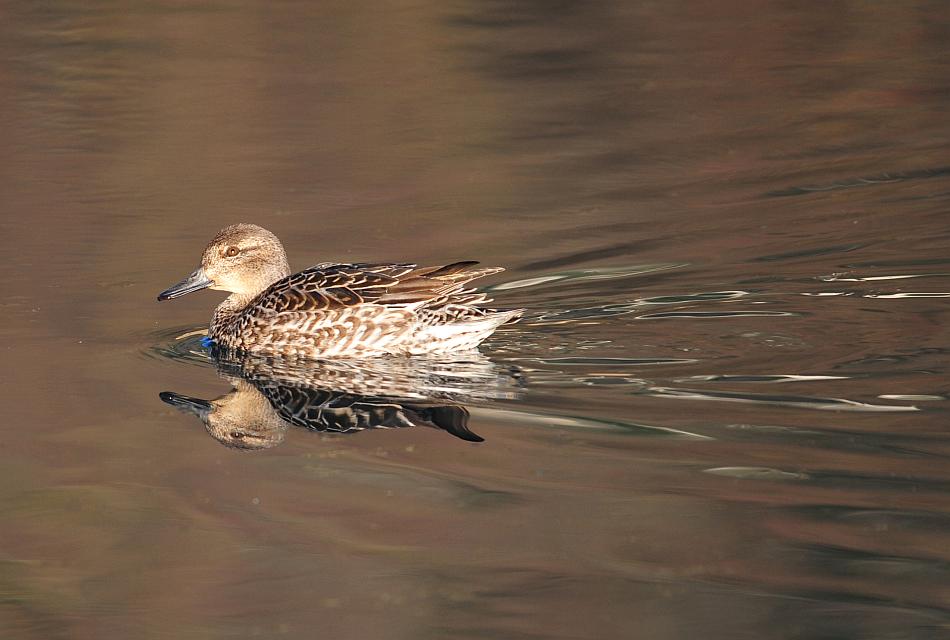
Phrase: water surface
x=724 y=414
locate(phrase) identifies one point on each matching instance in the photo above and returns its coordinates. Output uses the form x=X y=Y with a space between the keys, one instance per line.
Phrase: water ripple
x=586 y=313
x=841 y=277
x=577 y=422
x=603 y=273
x=884 y=178
x=709 y=296
x=804 y=402
x=756 y=473
x=809 y=253
x=759 y=378
x=909 y=294
x=717 y=314
x=181 y=344
x=614 y=362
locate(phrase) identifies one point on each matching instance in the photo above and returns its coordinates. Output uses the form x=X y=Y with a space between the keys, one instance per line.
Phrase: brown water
x=729 y=224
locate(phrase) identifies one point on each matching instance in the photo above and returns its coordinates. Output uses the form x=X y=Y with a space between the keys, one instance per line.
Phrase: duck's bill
x=195 y=282
x=197 y=406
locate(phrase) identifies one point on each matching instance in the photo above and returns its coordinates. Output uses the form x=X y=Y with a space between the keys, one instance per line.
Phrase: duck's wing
x=336 y=285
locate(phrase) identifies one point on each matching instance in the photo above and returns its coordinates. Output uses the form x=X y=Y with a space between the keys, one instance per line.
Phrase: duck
x=337 y=310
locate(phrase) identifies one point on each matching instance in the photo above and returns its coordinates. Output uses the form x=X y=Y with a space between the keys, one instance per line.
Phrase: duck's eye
x=231 y=252
x=237 y=435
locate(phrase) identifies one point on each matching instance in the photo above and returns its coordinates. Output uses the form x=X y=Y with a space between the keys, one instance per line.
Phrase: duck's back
x=343 y=310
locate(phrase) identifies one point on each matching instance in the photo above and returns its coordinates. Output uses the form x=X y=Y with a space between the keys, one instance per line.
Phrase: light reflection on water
x=723 y=414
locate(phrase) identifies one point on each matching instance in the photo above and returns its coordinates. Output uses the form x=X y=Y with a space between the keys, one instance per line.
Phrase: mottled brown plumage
x=337 y=310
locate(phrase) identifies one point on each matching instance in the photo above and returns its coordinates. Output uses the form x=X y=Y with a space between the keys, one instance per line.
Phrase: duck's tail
x=465 y=330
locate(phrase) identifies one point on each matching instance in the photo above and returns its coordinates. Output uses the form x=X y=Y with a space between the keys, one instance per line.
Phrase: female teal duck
x=337 y=310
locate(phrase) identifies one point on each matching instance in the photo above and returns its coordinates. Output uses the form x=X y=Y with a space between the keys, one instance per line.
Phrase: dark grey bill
x=197 y=406
x=195 y=282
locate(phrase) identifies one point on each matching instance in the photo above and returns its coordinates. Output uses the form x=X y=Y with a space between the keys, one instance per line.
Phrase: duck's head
x=243 y=259
x=241 y=419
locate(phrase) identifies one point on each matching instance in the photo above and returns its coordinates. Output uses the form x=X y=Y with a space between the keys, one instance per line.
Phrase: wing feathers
x=332 y=286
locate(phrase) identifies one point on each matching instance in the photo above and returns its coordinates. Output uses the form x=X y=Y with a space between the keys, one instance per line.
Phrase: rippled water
x=723 y=415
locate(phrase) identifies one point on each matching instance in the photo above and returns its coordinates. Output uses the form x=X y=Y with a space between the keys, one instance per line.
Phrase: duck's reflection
x=269 y=395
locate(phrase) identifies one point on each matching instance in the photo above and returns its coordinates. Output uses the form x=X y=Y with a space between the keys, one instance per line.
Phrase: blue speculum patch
x=207 y=342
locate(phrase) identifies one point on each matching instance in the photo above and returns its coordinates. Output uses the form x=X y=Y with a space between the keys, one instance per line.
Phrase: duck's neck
x=249 y=288
x=226 y=312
